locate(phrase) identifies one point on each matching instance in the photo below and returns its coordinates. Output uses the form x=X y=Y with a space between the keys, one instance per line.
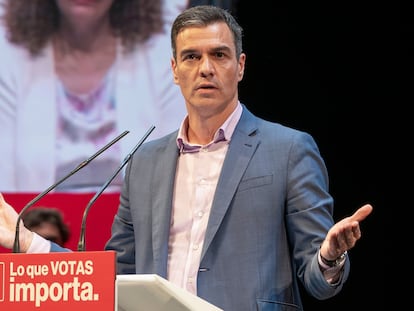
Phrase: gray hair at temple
x=204 y=15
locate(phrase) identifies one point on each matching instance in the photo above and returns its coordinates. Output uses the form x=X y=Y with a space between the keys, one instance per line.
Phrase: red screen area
x=72 y=205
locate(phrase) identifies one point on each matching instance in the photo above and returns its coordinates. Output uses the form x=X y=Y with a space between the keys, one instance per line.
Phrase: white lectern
x=144 y=292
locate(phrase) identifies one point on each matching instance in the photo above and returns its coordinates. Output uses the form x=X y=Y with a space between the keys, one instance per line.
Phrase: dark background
x=319 y=66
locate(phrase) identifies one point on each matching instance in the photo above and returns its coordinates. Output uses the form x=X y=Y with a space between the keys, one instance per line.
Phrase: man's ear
x=174 y=68
x=242 y=61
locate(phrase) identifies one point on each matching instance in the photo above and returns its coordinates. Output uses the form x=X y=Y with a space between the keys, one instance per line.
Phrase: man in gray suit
x=233 y=208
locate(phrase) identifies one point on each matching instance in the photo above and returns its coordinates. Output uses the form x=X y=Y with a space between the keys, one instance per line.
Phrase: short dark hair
x=39 y=215
x=203 y=15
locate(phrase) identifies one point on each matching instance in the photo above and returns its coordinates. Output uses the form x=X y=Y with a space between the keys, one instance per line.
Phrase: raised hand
x=8 y=219
x=344 y=234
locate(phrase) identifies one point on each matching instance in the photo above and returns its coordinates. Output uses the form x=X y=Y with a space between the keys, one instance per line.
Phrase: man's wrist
x=336 y=262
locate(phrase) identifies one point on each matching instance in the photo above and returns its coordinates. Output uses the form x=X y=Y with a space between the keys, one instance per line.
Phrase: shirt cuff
x=331 y=274
x=39 y=245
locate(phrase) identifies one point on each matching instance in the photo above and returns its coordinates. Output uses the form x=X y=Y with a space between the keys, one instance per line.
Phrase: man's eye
x=190 y=56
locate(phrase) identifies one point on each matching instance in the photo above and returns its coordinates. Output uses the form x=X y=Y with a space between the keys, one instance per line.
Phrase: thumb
x=362 y=213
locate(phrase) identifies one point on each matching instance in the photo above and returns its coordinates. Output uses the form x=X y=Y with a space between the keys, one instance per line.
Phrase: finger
x=356 y=231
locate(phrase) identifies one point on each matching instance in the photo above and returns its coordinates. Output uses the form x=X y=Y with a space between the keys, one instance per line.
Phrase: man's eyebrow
x=215 y=49
x=188 y=51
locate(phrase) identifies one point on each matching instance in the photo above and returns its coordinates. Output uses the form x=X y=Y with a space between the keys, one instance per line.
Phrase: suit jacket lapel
x=242 y=147
x=165 y=167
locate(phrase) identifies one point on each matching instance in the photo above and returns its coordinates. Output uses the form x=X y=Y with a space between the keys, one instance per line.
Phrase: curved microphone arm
x=81 y=243
x=16 y=244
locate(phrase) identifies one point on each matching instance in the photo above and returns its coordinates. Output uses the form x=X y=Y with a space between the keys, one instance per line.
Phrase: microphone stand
x=81 y=243
x=16 y=245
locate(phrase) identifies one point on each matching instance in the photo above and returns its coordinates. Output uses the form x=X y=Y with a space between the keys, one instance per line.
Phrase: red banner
x=81 y=281
x=72 y=205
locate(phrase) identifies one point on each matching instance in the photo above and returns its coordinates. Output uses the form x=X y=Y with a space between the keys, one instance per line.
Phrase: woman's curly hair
x=32 y=23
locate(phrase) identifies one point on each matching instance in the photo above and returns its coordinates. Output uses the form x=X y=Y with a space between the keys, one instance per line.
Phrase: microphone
x=81 y=243
x=16 y=245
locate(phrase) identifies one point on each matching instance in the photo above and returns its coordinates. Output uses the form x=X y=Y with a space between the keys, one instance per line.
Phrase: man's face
x=206 y=68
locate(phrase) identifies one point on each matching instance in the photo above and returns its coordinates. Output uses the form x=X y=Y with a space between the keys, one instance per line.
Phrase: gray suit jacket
x=270 y=214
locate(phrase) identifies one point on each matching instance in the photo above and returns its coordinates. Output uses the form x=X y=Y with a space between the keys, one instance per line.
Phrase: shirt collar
x=224 y=132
